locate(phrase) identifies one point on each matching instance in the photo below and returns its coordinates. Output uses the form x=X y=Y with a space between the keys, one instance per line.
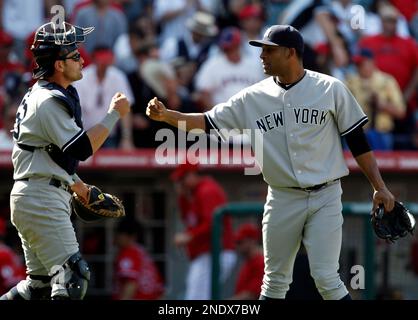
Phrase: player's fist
x=156 y=110
x=120 y=103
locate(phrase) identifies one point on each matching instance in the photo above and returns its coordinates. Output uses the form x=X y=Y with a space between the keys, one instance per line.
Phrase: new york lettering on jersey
x=302 y=116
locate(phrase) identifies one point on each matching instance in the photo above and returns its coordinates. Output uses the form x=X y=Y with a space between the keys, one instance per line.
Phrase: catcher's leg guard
x=32 y=288
x=13 y=294
x=73 y=276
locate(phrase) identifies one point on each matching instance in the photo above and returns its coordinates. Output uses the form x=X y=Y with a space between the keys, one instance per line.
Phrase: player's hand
x=385 y=197
x=81 y=189
x=120 y=103
x=156 y=110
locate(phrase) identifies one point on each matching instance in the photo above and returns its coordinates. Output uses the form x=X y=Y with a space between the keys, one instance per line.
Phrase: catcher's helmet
x=53 y=42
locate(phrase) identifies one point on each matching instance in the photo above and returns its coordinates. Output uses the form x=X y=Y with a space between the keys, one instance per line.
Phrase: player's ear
x=291 y=52
x=59 y=65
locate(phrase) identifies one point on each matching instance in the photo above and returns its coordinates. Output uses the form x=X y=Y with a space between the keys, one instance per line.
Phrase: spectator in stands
x=317 y=26
x=408 y=9
x=346 y=14
x=251 y=21
x=9 y=116
x=71 y=6
x=172 y=16
x=226 y=73
x=195 y=43
x=274 y=9
x=11 y=70
x=398 y=57
x=379 y=95
x=198 y=198
x=325 y=62
x=136 y=275
x=135 y=8
x=12 y=269
x=153 y=78
x=20 y=18
x=100 y=81
x=109 y=22
x=8 y=62
x=250 y=275
x=373 y=21
x=142 y=29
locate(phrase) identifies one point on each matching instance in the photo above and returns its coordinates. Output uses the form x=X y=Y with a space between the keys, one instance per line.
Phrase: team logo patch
x=267 y=33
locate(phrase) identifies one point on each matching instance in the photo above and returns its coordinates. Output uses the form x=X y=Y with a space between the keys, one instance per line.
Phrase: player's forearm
x=190 y=120
x=99 y=133
x=368 y=165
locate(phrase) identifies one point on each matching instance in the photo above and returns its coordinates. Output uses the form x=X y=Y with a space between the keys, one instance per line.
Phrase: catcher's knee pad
x=74 y=276
x=34 y=287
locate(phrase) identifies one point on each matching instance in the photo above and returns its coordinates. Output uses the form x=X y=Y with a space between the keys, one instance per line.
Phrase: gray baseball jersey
x=301 y=127
x=42 y=120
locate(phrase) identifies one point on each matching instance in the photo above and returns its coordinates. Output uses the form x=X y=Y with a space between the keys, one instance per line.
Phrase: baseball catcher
x=97 y=206
x=394 y=224
x=49 y=142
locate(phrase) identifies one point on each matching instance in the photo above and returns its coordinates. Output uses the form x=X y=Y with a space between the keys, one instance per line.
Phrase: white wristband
x=110 y=119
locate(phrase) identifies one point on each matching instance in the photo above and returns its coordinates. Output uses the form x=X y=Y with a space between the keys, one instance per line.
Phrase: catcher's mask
x=53 y=42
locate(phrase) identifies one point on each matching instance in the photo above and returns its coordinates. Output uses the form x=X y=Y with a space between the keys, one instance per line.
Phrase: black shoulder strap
x=69 y=97
x=71 y=101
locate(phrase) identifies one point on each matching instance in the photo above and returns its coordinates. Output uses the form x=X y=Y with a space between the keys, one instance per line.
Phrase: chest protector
x=70 y=100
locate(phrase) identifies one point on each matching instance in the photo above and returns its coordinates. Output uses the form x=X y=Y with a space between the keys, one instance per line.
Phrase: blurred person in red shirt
x=398 y=57
x=136 y=277
x=250 y=276
x=12 y=269
x=198 y=198
x=393 y=54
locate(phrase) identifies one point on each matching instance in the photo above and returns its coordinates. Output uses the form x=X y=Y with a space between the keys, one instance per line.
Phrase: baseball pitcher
x=301 y=116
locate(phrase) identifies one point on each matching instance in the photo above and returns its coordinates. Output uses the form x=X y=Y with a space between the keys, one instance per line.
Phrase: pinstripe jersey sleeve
x=348 y=114
x=57 y=125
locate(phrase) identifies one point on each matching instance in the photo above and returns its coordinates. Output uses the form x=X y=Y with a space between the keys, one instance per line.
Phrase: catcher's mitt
x=99 y=206
x=394 y=224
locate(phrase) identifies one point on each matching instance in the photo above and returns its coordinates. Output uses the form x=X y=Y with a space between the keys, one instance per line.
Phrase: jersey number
x=20 y=114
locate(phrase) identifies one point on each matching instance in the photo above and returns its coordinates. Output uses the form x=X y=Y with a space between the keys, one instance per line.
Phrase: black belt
x=314 y=188
x=53 y=182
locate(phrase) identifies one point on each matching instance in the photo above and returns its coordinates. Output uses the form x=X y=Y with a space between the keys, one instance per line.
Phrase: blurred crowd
x=193 y=54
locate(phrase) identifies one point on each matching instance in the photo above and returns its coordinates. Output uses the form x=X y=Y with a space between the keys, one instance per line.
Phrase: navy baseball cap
x=281 y=35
